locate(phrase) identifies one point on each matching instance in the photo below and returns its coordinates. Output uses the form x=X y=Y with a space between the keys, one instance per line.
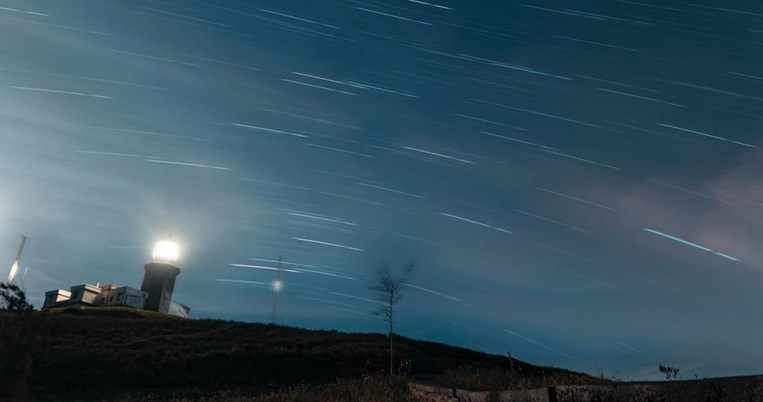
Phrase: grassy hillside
x=125 y=349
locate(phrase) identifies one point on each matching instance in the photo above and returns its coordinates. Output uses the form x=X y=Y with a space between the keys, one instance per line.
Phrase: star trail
x=586 y=174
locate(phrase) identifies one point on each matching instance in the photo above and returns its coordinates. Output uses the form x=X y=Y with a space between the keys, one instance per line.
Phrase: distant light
x=12 y=274
x=277 y=286
x=166 y=251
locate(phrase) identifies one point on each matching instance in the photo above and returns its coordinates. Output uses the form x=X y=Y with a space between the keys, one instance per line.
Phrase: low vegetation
x=20 y=335
x=122 y=354
x=497 y=379
x=89 y=353
x=366 y=389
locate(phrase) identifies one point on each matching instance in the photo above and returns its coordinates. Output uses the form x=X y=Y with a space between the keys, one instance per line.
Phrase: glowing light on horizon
x=13 y=273
x=166 y=251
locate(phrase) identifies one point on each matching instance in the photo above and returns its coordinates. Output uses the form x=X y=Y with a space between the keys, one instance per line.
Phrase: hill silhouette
x=110 y=349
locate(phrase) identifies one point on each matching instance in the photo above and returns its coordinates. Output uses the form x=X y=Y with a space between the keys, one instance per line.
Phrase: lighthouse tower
x=159 y=277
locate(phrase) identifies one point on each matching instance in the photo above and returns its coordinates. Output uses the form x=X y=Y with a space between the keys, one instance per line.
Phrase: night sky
x=577 y=182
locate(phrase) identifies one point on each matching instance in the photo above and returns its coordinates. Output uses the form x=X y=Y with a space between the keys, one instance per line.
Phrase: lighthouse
x=155 y=294
x=159 y=277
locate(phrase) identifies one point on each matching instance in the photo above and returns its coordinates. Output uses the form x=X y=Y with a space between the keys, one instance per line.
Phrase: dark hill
x=131 y=349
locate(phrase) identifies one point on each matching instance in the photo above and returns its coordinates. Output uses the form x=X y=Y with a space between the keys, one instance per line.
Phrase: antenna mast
x=16 y=261
x=277 y=286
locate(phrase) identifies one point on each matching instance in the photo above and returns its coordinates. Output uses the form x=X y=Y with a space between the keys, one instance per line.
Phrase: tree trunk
x=391 y=312
x=390 y=349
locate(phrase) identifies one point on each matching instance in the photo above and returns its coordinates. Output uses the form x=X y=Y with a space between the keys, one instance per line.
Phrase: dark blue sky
x=578 y=183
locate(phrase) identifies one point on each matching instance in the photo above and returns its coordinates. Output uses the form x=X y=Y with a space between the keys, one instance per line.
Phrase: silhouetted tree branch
x=12 y=298
x=671 y=373
x=19 y=334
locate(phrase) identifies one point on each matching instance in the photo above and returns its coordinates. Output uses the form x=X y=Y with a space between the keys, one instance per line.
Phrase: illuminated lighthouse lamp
x=166 y=251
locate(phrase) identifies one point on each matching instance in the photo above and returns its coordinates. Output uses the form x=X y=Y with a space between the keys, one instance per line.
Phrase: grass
x=118 y=354
x=369 y=388
x=89 y=354
x=497 y=379
x=365 y=389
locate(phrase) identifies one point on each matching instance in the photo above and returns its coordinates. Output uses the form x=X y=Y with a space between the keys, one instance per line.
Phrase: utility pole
x=12 y=275
x=277 y=287
x=16 y=262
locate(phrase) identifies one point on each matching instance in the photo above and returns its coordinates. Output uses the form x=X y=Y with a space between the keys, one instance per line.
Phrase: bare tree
x=388 y=290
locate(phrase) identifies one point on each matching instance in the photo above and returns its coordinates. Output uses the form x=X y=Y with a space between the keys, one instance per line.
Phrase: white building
x=95 y=295
x=86 y=295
